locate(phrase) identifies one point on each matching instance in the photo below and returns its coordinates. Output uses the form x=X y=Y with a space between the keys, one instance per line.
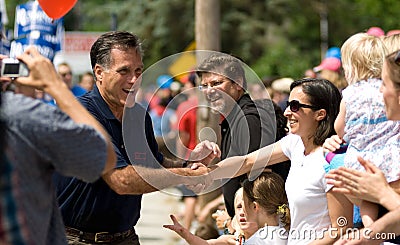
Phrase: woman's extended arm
x=254 y=161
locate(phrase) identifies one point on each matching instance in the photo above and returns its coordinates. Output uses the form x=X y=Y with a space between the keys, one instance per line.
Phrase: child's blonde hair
x=362 y=57
x=392 y=43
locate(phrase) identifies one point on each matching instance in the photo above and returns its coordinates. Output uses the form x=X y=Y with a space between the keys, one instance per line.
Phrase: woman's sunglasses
x=295 y=105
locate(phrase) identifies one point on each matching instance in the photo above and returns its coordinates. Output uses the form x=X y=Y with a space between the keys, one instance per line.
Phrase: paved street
x=156 y=208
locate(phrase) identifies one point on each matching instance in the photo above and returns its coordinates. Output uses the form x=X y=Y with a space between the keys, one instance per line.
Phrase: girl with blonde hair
x=362 y=121
x=266 y=203
x=261 y=215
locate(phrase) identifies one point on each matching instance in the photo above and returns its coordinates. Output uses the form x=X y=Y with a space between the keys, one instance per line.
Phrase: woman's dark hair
x=281 y=123
x=100 y=53
x=323 y=95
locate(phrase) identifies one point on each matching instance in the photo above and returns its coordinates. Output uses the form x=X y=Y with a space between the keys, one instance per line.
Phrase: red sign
x=79 y=41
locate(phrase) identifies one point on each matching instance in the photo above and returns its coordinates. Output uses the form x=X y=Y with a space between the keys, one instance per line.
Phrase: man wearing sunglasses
x=65 y=71
x=246 y=125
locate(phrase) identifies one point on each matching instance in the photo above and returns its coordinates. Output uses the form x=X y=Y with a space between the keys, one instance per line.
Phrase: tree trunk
x=207 y=25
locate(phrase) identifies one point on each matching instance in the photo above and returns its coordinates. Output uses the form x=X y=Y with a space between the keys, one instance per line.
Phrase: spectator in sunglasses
x=65 y=72
x=371 y=184
x=313 y=107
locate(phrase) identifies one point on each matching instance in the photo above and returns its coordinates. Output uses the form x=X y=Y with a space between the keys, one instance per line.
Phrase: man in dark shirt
x=107 y=210
x=2 y=130
x=41 y=139
x=246 y=125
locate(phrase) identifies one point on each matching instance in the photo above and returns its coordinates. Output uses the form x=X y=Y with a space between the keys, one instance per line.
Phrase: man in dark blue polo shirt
x=107 y=210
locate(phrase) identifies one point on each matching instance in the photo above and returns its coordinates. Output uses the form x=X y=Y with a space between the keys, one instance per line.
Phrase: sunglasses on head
x=295 y=105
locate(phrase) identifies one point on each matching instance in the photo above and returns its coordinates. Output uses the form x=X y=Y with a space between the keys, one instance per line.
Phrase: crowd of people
x=275 y=182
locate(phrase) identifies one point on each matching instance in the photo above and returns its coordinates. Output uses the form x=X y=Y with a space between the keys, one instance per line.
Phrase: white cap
x=175 y=86
x=282 y=84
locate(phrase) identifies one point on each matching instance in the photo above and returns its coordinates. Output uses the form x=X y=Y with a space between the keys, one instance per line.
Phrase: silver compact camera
x=13 y=68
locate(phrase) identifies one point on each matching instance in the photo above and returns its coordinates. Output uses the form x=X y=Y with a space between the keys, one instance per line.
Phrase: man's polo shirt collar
x=104 y=109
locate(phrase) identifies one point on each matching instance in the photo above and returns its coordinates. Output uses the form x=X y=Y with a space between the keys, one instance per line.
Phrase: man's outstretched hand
x=205 y=152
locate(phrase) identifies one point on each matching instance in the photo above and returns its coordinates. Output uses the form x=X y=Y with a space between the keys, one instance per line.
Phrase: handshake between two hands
x=200 y=160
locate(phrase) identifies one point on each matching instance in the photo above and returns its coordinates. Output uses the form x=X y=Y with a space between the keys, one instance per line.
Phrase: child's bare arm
x=340 y=120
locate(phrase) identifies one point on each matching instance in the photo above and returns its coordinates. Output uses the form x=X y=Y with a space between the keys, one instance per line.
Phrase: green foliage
x=166 y=27
x=243 y=30
x=283 y=60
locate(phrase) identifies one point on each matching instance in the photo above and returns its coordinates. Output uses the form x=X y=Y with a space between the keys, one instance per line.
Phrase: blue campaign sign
x=4 y=42
x=34 y=27
x=30 y=17
x=5 y=46
x=44 y=47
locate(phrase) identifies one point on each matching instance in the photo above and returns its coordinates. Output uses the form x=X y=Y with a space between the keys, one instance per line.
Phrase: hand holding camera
x=13 y=68
x=40 y=72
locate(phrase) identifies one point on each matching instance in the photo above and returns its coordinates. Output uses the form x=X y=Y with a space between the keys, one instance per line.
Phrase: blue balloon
x=164 y=81
x=333 y=52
